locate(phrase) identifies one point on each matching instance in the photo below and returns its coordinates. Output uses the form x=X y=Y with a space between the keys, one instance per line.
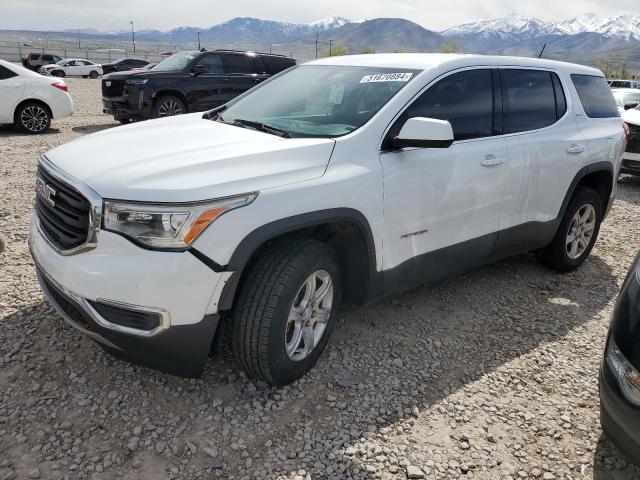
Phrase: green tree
x=336 y=50
x=368 y=50
x=450 y=47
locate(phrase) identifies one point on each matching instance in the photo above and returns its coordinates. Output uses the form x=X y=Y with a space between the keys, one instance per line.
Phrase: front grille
x=633 y=145
x=68 y=305
x=66 y=222
x=114 y=89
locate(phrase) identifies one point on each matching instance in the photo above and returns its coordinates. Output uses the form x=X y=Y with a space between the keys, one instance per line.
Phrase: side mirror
x=425 y=133
x=630 y=105
x=198 y=69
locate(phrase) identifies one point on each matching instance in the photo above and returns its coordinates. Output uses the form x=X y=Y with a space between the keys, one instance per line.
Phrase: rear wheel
x=32 y=117
x=168 y=106
x=57 y=73
x=577 y=233
x=286 y=310
x=93 y=74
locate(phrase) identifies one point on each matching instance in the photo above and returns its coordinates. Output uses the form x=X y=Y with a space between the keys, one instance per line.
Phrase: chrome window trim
x=165 y=316
x=95 y=209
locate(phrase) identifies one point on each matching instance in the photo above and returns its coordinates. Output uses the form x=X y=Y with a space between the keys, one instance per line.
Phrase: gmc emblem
x=107 y=83
x=45 y=192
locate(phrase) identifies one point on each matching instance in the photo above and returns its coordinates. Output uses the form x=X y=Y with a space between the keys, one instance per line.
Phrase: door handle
x=492 y=161
x=574 y=149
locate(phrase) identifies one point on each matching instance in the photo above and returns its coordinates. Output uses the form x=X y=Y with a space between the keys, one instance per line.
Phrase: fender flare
x=583 y=172
x=260 y=235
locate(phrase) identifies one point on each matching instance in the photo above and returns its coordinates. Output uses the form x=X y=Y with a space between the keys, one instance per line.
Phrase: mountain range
x=583 y=38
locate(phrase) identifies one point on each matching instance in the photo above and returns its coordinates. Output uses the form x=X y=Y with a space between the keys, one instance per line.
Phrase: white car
x=30 y=100
x=626 y=98
x=72 y=67
x=344 y=179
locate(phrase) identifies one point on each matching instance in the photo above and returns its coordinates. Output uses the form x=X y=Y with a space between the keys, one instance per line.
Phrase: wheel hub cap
x=34 y=118
x=309 y=315
x=580 y=231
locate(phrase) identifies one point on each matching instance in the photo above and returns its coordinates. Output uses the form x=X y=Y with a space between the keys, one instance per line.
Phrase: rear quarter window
x=595 y=96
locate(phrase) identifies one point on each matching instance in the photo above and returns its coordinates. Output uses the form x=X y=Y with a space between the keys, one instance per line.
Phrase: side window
x=213 y=63
x=5 y=73
x=35 y=56
x=238 y=64
x=84 y=62
x=277 y=64
x=595 y=96
x=47 y=58
x=561 y=100
x=465 y=99
x=528 y=100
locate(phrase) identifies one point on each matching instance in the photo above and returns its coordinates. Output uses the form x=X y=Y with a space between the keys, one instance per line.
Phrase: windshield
x=175 y=62
x=60 y=62
x=320 y=100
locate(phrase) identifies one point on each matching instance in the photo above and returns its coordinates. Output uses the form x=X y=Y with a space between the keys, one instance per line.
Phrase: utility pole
x=330 y=47
x=133 y=36
x=198 y=40
x=269 y=48
x=316 y=43
x=78 y=39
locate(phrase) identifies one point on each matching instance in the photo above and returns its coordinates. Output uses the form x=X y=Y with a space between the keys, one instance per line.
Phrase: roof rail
x=229 y=50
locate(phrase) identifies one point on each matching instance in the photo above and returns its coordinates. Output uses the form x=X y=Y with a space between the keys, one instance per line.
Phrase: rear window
x=5 y=73
x=595 y=96
x=238 y=64
x=34 y=56
x=277 y=64
x=531 y=100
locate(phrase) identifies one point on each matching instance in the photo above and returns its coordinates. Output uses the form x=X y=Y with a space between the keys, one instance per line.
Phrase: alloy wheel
x=309 y=315
x=170 y=108
x=581 y=231
x=34 y=118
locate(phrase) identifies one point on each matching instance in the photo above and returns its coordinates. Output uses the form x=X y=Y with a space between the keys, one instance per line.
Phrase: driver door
x=11 y=92
x=208 y=90
x=442 y=206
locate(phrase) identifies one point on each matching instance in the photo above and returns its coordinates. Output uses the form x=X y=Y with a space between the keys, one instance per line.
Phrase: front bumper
x=630 y=163
x=620 y=421
x=132 y=105
x=175 y=283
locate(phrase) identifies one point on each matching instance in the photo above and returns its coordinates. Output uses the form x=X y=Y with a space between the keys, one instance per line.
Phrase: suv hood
x=188 y=158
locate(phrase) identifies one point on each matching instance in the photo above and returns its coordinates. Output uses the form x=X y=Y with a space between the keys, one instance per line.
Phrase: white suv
x=343 y=179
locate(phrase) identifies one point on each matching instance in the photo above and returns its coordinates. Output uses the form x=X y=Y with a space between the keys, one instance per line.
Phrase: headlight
x=136 y=81
x=167 y=226
x=627 y=376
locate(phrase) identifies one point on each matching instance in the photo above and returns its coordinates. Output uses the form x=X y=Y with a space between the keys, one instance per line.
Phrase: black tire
x=259 y=320
x=555 y=255
x=124 y=121
x=58 y=73
x=93 y=74
x=32 y=117
x=168 y=106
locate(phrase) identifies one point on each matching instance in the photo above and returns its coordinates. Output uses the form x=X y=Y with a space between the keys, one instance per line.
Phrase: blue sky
x=164 y=14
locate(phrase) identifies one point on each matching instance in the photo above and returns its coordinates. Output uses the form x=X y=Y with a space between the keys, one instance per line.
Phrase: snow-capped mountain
x=328 y=23
x=524 y=27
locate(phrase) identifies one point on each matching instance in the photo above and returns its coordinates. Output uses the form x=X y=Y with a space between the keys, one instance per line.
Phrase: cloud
x=114 y=14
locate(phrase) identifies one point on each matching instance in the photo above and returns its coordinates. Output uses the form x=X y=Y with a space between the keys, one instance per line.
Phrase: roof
x=426 y=61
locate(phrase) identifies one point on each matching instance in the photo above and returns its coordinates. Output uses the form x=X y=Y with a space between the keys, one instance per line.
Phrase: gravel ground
x=491 y=375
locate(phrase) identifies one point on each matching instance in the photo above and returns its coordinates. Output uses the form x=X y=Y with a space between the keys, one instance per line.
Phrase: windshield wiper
x=262 y=127
x=214 y=114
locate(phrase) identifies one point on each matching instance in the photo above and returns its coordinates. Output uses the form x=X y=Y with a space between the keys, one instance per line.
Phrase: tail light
x=60 y=86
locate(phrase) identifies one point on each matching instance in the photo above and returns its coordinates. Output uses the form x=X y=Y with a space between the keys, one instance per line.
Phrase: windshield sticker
x=387 y=77
x=336 y=92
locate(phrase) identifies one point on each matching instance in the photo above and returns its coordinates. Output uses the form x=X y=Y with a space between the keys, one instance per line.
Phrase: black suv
x=123 y=65
x=187 y=82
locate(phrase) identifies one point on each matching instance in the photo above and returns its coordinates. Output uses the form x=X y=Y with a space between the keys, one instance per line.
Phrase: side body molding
x=259 y=236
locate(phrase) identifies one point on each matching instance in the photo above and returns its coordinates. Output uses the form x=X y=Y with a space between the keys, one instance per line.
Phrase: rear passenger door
x=545 y=148
x=242 y=74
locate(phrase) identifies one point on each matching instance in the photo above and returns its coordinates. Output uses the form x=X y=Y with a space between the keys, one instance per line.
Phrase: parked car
x=635 y=84
x=626 y=98
x=620 y=370
x=29 y=100
x=344 y=179
x=145 y=68
x=187 y=82
x=631 y=156
x=123 y=65
x=34 y=61
x=72 y=67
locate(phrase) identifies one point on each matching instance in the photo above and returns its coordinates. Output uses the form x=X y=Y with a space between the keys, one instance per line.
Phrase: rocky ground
x=491 y=375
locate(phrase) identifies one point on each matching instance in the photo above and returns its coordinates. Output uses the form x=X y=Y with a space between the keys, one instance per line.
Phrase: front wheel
x=168 y=106
x=577 y=232
x=57 y=73
x=93 y=74
x=286 y=310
